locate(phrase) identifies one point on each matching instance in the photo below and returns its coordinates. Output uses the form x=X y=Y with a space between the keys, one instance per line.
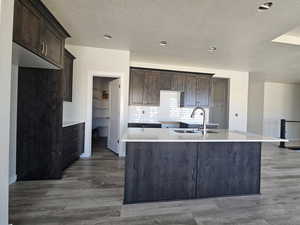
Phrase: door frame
x=89 y=112
x=111 y=91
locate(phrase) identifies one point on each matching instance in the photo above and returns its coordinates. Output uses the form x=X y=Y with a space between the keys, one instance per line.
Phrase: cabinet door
x=160 y=171
x=190 y=91
x=53 y=45
x=39 y=124
x=227 y=169
x=151 y=88
x=203 y=91
x=218 y=112
x=68 y=75
x=165 y=80
x=27 y=26
x=136 y=89
x=178 y=82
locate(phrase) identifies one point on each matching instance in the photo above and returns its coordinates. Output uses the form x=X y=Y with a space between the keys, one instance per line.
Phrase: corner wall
x=13 y=124
x=6 y=28
x=281 y=102
x=238 y=90
x=255 y=105
x=100 y=62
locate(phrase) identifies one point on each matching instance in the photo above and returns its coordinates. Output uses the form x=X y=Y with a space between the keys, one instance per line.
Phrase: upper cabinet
x=52 y=44
x=178 y=82
x=144 y=87
x=146 y=84
x=165 y=80
x=28 y=25
x=37 y=30
x=136 y=91
x=190 y=91
x=151 y=88
x=203 y=91
x=68 y=75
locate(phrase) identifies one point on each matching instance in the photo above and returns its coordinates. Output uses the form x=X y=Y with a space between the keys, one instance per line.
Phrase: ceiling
x=243 y=36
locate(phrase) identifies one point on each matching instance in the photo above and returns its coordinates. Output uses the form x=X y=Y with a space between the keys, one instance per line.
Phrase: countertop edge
x=70 y=123
x=220 y=140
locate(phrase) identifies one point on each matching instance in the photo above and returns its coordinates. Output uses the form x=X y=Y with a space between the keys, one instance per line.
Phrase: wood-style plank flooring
x=91 y=193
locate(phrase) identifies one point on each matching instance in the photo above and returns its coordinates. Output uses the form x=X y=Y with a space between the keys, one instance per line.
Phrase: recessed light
x=212 y=49
x=107 y=36
x=265 y=6
x=163 y=43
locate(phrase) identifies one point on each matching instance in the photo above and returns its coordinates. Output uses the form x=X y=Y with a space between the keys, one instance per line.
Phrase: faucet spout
x=204 y=117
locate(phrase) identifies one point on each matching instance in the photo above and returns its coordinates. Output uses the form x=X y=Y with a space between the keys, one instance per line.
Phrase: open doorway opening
x=106 y=114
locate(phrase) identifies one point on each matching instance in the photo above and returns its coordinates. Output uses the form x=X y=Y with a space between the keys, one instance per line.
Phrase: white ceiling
x=241 y=34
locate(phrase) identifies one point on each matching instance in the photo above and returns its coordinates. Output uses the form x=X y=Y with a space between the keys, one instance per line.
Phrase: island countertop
x=169 y=135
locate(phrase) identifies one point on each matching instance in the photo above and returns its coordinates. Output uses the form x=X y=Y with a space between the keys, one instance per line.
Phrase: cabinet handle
x=43 y=48
x=46 y=49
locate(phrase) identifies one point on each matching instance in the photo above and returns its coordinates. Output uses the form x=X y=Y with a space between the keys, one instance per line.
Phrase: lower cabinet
x=164 y=171
x=39 y=121
x=144 y=125
x=73 y=144
x=160 y=172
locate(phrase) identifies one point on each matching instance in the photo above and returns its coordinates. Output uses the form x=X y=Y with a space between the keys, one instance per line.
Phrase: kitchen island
x=166 y=164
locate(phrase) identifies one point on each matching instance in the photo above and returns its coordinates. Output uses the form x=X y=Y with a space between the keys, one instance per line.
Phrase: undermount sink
x=195 y=131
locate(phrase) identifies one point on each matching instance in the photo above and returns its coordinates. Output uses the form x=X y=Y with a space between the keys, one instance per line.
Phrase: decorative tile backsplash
x=169 y=110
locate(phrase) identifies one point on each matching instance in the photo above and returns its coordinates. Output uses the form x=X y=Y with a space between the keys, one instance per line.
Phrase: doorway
x=106 y=114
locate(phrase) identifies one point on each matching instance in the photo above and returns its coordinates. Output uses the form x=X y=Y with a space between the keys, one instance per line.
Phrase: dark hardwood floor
x=91 y=193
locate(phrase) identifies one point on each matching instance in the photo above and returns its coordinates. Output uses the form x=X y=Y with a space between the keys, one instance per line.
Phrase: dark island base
x=177 y=171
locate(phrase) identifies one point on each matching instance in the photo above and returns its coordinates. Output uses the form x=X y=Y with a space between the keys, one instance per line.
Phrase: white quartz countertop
x=181 y=121
x=169 y=135
x=70 y=123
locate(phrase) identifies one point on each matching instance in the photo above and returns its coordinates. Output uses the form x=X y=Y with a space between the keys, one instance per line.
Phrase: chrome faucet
x=204 y=117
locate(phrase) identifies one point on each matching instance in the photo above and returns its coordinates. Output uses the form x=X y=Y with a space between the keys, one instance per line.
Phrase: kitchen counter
x=162 y=165
x=169 y=135
x=173 y=122
x=70 y=123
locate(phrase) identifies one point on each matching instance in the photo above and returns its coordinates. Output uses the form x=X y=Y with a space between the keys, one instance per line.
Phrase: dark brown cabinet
x=218 y=112
x=144 y=87
x=176 y=171
x=52 y=44
x=37 y=30
x=73 y=144
x=203 y=91
x=197 y=91
x=146 y=84
x=39 y=124
x=165 y=80
x=144 y=125
x=178 y=82
x=136 y=92
x=151 y=88
x=160 y=172
x=68 y=75
x=27 y=26
x=190 y=91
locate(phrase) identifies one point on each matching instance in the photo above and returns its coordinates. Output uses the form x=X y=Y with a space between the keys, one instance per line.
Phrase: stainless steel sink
x=195 y=131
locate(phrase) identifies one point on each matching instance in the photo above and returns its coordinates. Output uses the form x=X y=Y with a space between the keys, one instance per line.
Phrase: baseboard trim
x=13 y=179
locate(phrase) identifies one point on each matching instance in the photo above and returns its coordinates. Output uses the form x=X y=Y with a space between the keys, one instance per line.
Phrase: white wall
x=96 y=61
x=6 y=24
x=281 y=101
x=238 y=91
x=13 y=124
x=255 y=105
